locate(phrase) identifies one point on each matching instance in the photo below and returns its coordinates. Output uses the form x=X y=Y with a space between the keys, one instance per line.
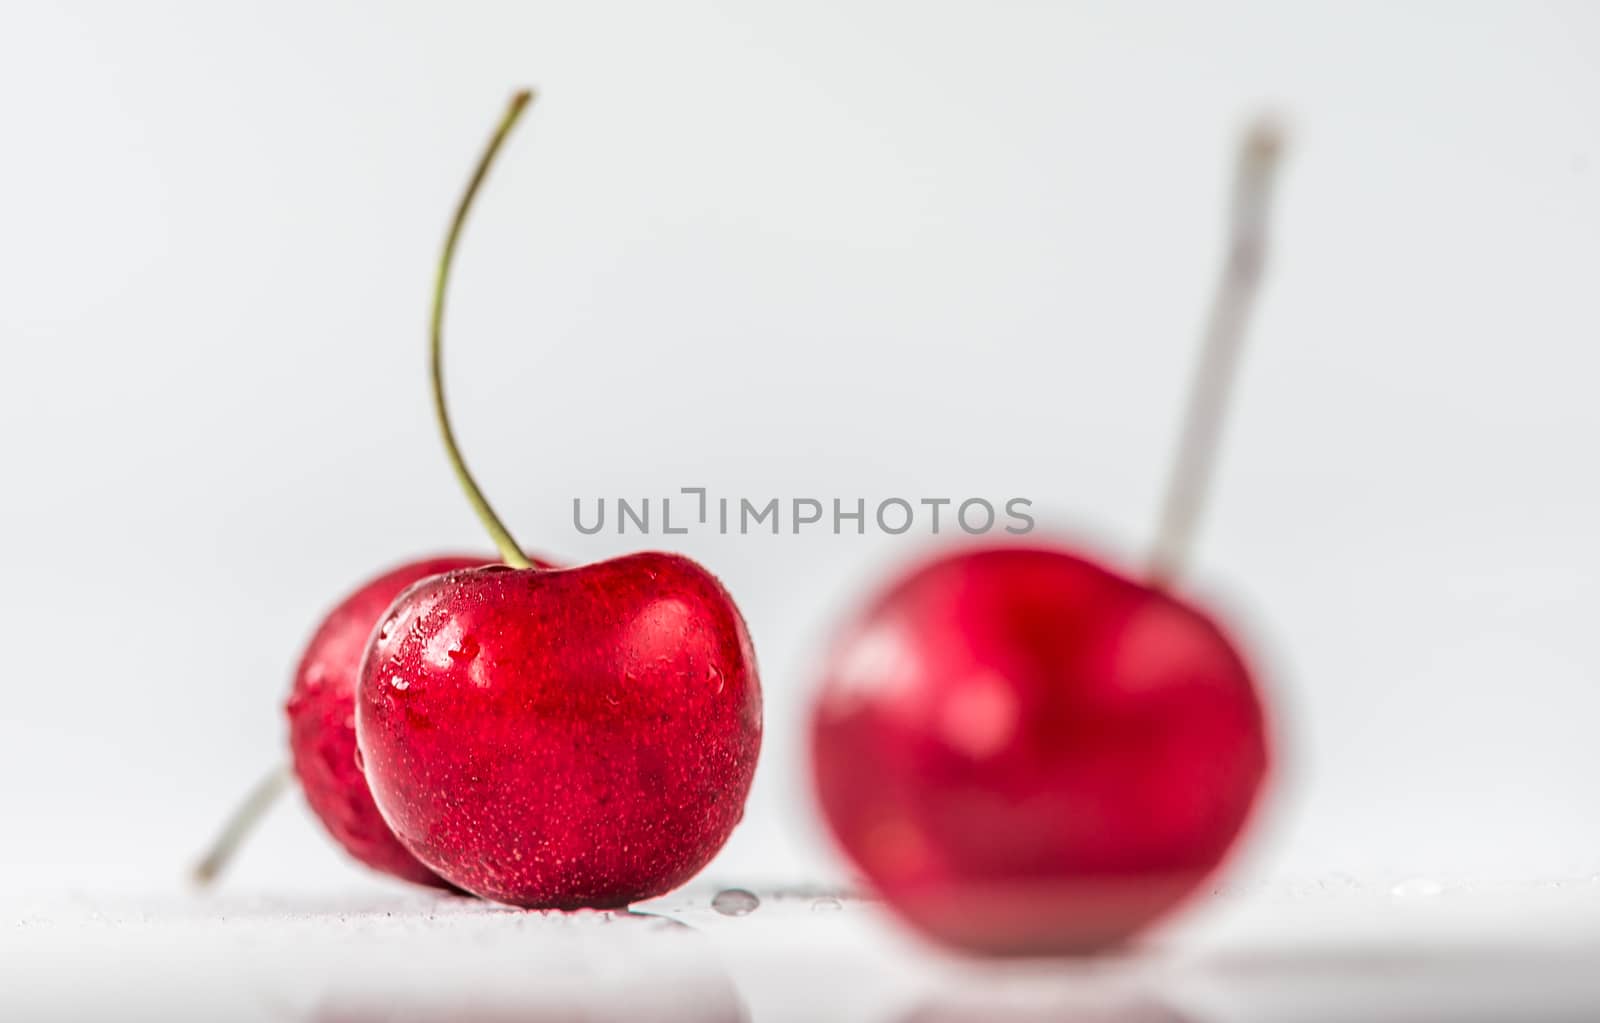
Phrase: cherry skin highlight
x=322 y=732
x=562 y=739
x=1028 y=754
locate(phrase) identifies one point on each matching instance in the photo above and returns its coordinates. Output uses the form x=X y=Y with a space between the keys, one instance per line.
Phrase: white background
x=800 y=249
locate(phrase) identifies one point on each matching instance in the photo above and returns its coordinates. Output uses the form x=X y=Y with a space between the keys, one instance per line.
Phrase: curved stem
x=240 y=824
x=1219 y=357
x=509 y=551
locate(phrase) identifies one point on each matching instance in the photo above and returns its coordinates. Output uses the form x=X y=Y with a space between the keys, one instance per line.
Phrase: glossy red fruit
x=563 y=739
x=1028 y=754
x=322 y=728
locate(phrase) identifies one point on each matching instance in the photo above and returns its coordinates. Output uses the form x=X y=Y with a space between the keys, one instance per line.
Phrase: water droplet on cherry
x=464 y=650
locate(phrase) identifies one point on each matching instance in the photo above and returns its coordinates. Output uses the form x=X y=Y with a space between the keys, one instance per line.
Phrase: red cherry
x=563 y=739
x=322 y=721
x=1027 y=753
x=322 y=733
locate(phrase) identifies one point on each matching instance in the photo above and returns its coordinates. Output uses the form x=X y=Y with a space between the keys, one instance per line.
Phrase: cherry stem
x=509 y=551
x=1219 y=358
x=240 y=824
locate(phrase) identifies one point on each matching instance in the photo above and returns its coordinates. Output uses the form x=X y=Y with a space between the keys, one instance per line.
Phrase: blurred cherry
x=1027 y=752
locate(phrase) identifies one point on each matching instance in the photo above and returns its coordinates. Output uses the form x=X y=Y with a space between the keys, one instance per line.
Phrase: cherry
x=570 y=738
x=322 y=734
x=322 y=721
x=1029 y=753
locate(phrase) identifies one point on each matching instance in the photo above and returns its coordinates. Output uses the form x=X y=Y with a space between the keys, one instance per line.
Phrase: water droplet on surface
x=714 y=676
x=826 y=904
x=399 y=683
x=735 y=902
x=1417 y=888
x=387 y=628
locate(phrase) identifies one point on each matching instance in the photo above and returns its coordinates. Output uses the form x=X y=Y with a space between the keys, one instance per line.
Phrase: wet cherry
x=582 y=737
x=322 y=732
x=1028 y=753
x=563 y=739
x=322 y=721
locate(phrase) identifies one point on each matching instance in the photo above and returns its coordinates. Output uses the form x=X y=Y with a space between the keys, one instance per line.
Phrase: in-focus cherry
x=582 y=737
x=1028 y=753
x=322 y=735
x=562 y=739
x=322 y=721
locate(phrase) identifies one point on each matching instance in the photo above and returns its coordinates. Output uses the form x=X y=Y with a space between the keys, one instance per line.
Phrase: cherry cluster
x=1022 y=750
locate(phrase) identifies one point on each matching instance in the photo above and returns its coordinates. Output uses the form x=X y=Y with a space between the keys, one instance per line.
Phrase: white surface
x=831 y=248
x=1330 y=951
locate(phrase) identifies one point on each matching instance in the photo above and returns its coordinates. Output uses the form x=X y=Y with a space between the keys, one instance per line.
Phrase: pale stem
x=240 y=824
x=1192 y=470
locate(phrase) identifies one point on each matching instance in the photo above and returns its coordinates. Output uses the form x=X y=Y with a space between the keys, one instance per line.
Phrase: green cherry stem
x=1219 y=356
x=509 y=551
x=266 y=792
